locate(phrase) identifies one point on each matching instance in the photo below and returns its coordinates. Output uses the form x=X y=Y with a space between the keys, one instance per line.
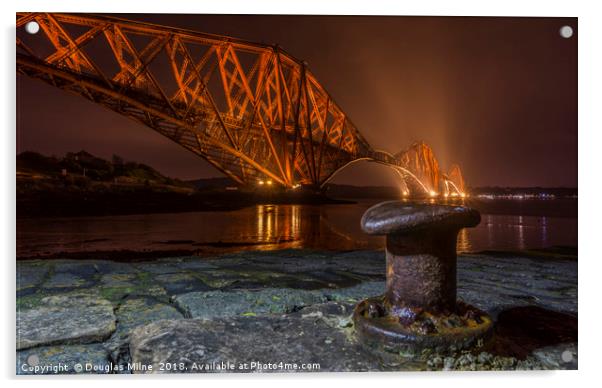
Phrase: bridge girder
x=251 y=110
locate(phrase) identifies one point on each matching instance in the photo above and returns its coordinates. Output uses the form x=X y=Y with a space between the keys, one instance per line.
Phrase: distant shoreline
x=128 y=200
x=82 y=185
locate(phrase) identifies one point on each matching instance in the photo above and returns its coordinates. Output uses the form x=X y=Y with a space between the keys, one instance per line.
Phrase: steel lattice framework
x=251 y=110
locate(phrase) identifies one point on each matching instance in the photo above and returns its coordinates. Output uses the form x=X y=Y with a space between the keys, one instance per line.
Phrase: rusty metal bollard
x=419 y=309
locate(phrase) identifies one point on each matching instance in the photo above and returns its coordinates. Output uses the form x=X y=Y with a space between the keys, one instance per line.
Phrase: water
x=267 y=227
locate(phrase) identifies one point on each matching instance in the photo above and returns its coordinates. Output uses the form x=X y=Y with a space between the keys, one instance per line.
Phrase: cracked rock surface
x=289 y=306
x=65 y=320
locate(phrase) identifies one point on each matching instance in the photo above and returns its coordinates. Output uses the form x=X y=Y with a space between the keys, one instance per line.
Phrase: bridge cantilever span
x=252 y=110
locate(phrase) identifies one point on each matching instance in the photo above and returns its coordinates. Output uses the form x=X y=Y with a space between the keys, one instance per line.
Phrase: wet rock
x=73 y=319
x=83 y=269
x=66 y=280
x=137 y=311
x=217 y=279
x=562 y=356
x=118 y=286
x=494 y=284
x=368 y=264
x=28 y=300
x=466 y=361
x=29 y=276
x=180 y=283
x=154 y=290
x=435 y=363
x=249 y=278
x=112 y=267
x=213 y=304
x=132 y=313
x=118 y=280
x=196 y=345
x=529 y=364
x=334 y=314
x=329 y=308
x=550 y=284
x=63 y=359
x=448 y=363
x=503 y=363
x=292 y=264
x=356 y=293
x=528 y=331
x=159 y=268
x=115 y=294
x=196 y=265
x=359 y=265
x=484 y=358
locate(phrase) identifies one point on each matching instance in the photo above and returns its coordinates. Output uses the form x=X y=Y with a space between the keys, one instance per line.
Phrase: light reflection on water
x=464 y=241
x=267 y=227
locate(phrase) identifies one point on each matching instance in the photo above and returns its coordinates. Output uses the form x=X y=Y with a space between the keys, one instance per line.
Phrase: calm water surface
x=269 y=227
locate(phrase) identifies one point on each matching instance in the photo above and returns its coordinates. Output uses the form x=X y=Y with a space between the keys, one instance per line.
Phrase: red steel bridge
x=252 y=110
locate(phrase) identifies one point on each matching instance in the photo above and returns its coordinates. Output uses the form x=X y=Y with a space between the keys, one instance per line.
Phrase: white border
x=590 y=163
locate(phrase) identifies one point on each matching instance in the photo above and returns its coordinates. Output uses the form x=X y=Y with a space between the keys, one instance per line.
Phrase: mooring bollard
x=419 y=309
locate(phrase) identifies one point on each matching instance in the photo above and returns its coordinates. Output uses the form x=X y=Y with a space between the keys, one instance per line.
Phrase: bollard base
x=466 y=328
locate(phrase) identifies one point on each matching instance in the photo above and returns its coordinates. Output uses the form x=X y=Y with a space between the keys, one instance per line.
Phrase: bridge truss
x=252 y=110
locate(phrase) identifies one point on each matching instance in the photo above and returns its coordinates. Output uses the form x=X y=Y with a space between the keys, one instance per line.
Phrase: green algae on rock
x=134 y=312
x=65 y=320
x=212 y=304
x=295 y=289
x=278 y=343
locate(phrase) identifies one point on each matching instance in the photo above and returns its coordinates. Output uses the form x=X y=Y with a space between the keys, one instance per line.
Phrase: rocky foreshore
x=275 y=311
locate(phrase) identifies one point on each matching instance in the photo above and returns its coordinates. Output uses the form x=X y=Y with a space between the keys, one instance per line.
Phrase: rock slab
x=68 y=319
x=63 y=359
x=213 y=304
x=287 y=343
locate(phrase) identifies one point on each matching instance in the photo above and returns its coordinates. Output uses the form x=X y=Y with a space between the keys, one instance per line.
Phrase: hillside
x=83 y=165
x=81 y=184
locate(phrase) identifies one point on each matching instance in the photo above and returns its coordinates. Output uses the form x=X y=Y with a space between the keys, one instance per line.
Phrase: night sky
x=496 y=95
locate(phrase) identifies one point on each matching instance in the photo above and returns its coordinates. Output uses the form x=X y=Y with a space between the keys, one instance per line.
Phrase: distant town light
x=261 y=182
x=433 y=193
x=269 y=183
